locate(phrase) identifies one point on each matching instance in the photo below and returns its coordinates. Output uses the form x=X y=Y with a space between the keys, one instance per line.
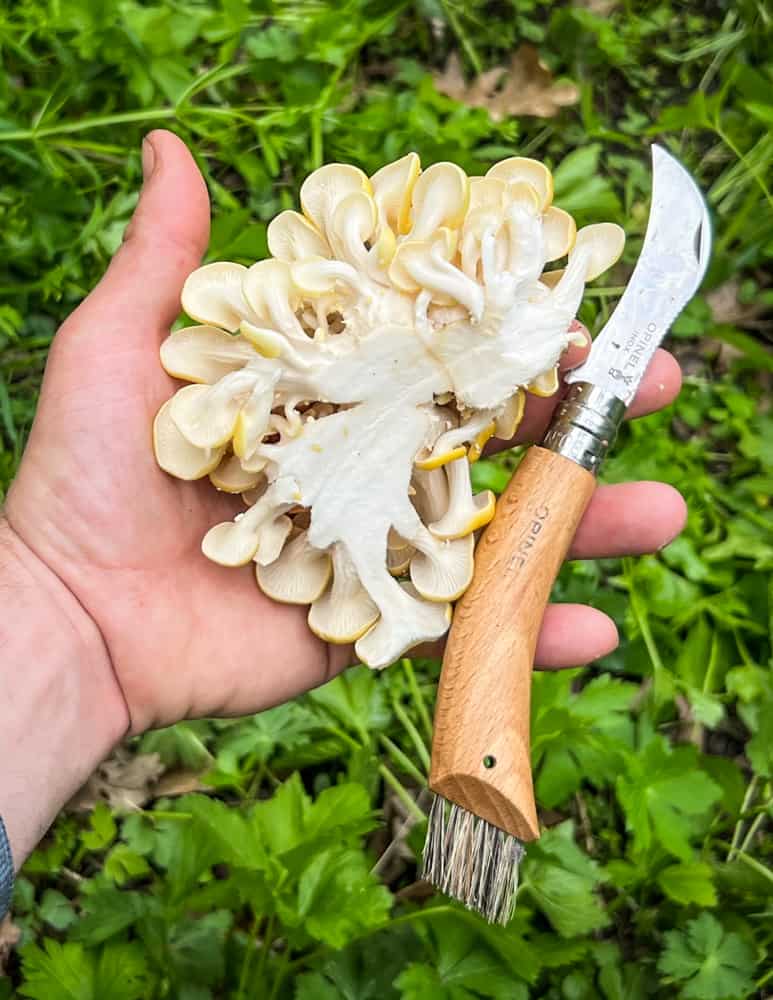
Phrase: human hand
x=185 y=637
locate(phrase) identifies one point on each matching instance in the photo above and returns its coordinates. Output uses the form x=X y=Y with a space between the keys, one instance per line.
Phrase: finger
x=575 y=354
x=629 y=519
x=660 y=385
x=163 y=243
x=573 y=634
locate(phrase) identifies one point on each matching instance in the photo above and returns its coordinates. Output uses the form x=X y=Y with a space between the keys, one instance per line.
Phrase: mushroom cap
x=439 y=199
x=342 y=622
x=392 y=189
x=604 y=242
x=518 y=169
x=345 y=611
x=206 y=415
x=212 y=294
x=299 y=576
x=486 y=193
x=231 y=477
x=383 y=248
x=268 y=343
x=175 y=454
x=546 y=384
x=443 y=571
x=508 y=421
x=273 y=536
x=269 y=290
x=478 y=515
x=233 y=543
x=326 y=187
x=443 y=457
x=292 y=237
x=560 y=231
x=479 y=442
x=413 y=622
x=522 y=195
x=204 y=354
x=252 y=420
x=353 y=222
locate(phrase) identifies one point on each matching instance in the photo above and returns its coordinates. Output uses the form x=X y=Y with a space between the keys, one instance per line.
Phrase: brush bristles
x=469 y=859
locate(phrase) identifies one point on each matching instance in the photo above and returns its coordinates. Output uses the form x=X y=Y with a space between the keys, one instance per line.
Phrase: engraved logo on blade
x=637 y=348
x=528 y=539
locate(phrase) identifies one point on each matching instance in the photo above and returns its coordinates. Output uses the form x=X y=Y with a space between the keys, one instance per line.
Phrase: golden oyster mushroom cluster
x=344 y=385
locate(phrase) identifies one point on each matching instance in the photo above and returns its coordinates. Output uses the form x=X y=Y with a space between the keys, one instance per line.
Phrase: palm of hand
x=187 y=637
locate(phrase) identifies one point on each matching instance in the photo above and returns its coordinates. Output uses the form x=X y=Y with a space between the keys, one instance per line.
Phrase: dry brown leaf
x=525 y=88
x=726 y=307
x=10 y=936
x=124 y=781
x=179 y=783
x=600 y=7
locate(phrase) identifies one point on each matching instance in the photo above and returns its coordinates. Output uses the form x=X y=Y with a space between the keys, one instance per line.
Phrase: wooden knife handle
x=480 y=751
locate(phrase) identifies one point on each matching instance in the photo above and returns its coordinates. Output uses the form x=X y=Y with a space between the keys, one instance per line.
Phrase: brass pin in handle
x=480 y=749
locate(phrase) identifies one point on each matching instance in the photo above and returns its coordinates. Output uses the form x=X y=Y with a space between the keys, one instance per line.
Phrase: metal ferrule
x=585 y=425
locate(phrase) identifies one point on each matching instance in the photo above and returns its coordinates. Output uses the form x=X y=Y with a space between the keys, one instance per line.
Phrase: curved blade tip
x=703 y=235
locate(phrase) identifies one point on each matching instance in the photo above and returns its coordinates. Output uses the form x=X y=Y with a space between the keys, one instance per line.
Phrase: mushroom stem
x=466 y=512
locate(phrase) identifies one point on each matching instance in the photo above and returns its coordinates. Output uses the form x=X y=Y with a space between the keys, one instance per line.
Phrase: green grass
x=293 y=875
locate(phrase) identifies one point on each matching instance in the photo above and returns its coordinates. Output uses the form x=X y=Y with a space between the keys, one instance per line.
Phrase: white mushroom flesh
x=400 y=323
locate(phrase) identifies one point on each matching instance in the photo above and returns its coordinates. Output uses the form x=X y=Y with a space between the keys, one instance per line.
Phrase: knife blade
x=670 y=268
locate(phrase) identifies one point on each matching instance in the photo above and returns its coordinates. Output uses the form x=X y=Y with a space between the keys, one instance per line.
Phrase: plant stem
x=757 y=822
x=402 y=759
x=418 y=697
x=747 y=800
x=268 y=937
x=640 y=615
x=755 y=864
x=401 y=792
x=462 y=35
x=742 y=157
x=413 y=732
x=249 y=954
x=281 y=972
x=100 y=121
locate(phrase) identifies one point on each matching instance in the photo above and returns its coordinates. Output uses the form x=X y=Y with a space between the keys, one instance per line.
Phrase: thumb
x=163 y=243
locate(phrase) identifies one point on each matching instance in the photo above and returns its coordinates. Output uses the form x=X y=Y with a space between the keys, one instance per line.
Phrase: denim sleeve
x=6 y=871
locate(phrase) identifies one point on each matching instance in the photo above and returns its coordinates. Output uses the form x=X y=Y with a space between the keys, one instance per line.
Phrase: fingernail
x=148 y=159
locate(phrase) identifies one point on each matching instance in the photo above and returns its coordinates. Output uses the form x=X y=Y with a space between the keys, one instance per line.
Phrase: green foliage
x=708 y=962
x=654 y=766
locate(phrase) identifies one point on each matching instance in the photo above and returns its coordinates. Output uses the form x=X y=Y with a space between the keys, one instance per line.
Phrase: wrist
x=61 y=708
